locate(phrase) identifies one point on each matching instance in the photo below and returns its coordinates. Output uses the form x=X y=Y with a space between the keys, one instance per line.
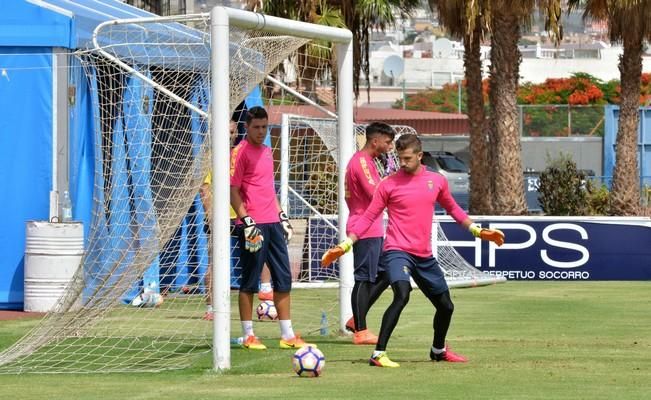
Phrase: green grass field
x=525 y=340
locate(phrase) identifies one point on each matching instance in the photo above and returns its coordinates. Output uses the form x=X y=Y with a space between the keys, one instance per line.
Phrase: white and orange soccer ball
x=308 y=361
x=267 y=311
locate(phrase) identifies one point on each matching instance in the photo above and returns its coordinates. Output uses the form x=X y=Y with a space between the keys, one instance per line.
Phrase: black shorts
x=366 y=256
x=425 y=271
x=273 y=252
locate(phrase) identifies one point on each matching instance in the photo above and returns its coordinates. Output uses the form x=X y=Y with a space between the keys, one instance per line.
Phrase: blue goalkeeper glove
x=287 y=227
x=252 y=235
x=494 y=235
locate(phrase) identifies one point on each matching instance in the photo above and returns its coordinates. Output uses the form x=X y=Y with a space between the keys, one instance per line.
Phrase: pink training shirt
x=252 y=170
x=410 y=201
x=362 y=178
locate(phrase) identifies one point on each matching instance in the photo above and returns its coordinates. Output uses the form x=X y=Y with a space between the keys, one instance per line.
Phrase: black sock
x=391 y=316
x=442 y=317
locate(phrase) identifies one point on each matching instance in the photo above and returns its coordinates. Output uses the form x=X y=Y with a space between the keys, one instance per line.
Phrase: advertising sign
x=559 y=248
x=536 y=248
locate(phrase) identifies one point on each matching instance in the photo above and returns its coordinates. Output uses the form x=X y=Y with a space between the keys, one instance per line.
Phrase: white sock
x=209 y=308
x=377 y=353
x=247 y=328
x=286 y=331
x=265 y=287
x=437 y=351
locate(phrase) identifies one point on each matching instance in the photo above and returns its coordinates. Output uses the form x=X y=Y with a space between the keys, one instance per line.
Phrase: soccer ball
x=308 y=361
x=267 y=311
x=147 y=299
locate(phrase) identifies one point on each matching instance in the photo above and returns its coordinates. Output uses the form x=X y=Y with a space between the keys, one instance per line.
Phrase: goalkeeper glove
x=287 y=227
x=334 y=253
x=252 y=235
x=494 y=235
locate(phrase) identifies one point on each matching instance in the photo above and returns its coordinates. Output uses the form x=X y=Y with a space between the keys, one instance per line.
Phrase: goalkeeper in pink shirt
x=264 y=230
x=362 y=177
x=410 y=196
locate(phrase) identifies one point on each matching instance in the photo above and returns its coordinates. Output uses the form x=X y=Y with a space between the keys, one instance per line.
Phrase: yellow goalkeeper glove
x=494 y=235
x=334 y=253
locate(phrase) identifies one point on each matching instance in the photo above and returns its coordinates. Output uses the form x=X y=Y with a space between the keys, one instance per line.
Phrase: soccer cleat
x=253 y=343
x=447 y=355
x=294 y=343
x=208 y=316
x=382 y=361
x=350 y=325
x=266 y=296
x=364 y=337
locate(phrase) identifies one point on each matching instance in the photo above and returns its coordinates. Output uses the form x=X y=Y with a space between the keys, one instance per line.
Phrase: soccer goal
x=309 y=167
x=163 y=91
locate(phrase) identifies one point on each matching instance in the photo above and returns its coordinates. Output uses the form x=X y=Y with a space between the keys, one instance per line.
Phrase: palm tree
x=627 y=23
x=507 y=17
x=316 y=56
x=360 y=16
x=496 y=166
x=469 y=22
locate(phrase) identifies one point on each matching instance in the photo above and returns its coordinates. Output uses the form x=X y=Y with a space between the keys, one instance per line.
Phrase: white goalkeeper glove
x=494 y=235
x=252 y=235
x=287 y=227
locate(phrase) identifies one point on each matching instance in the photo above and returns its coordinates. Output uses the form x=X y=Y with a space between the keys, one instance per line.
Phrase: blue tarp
x=29 y=31
x=25 y=157
x=59 y=23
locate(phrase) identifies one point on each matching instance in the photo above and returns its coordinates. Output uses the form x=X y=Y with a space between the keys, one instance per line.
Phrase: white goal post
x=221 y=20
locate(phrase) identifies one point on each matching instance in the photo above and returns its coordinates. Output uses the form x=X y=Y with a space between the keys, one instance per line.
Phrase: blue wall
x=25 y=157
x=644 y=142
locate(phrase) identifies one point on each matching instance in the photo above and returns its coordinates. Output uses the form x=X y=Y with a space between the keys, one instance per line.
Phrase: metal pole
x=284 y=162
x=459 y=94
x=346 y=143
x=221 y=237
x=404 y=94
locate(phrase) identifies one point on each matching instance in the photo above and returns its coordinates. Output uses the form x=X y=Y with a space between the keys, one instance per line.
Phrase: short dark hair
x=256 y=112
x=379 y=128
x=409 y=141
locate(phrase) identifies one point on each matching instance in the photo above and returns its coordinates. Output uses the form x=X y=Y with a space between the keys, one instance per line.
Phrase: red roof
x=423 y=121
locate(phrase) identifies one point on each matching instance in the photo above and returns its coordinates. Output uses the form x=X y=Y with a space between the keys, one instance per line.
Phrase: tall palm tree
x=627 y=23
x=360 y=16
x=496 y=166
x=469 y=22
x=507 y=18
x=314 y=57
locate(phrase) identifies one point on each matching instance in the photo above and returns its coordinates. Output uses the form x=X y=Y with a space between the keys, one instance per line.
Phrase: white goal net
x=137 y=301
x=312 y=198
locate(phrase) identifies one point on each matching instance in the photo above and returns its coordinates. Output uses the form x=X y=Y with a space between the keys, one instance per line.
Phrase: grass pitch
x=525 y=340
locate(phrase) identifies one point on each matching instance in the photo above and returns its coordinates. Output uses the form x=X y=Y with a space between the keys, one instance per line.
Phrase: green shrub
x=597 y=199
x=561 y=190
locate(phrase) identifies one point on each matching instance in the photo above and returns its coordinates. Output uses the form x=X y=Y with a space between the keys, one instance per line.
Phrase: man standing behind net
x=409 y=196
x=264 y=230
x=362 y=177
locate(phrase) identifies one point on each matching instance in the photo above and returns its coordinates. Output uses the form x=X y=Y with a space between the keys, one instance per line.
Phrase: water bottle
x=66 y=207
x=324 y=324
